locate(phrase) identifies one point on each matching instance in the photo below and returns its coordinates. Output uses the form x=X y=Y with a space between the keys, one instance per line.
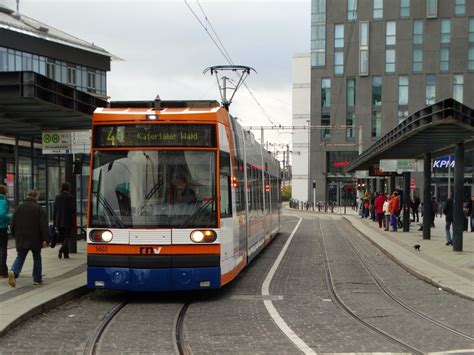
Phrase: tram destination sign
x=155 y=135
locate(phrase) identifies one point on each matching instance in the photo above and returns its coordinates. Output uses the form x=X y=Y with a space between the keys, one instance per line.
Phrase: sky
x=165 y=49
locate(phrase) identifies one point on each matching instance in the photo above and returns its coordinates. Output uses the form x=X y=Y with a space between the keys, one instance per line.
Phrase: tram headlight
x=101 y=236
x=151 y=117
x=203 y=236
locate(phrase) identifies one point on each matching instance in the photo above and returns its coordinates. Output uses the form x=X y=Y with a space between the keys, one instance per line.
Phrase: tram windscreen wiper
x=148 y=196
x=110 y=211
x=198 y=212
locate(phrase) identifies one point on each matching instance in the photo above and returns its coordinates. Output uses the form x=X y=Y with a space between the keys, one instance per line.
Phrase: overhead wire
x=220 y=46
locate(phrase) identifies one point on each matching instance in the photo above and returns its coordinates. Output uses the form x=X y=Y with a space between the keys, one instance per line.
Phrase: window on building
x=326 y=93
x=460 y=7
x=326 y=121
x=318 y=11
x=364 y=48
x=318 y=45
x=403 y=90
x=417 y=60
x=431 y=8
x=378 y=9
x=351 y=123
x=377 y=124
x=91 y=81
x=458 y=87
x=50 y=70
x=350 y=92
x=3 y=59
x=351 y=10
x=338 y=63
x=430 y=89
x=444 y=59
x=390 y=33
x=404 y=8
x=338 y=36
x=471 y=29
x=445 y=30
x=376 y=91
x=418 y=32
x=390 y=61
x=71 y=76
x=471 y=58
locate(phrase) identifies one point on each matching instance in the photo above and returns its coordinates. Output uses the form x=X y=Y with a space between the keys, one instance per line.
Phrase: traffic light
x=314 y=184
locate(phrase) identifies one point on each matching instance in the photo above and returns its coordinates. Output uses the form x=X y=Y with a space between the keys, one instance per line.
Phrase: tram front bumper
x=168 y=279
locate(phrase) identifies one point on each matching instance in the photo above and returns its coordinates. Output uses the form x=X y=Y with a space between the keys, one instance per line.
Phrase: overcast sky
x=164 y=49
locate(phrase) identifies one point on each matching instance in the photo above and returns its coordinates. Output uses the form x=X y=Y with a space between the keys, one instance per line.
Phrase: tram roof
x=139 y=110
x=31 y=103
x=434 y=129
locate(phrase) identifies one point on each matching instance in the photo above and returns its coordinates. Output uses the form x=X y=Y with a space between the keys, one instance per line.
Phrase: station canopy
x=435 y=129
x=31 y=103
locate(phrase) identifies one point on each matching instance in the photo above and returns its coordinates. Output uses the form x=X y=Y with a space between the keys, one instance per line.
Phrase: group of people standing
x=387 y=209
x=29 y=227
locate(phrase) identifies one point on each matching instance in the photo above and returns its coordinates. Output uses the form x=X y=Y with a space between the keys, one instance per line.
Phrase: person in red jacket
x=394 y=209
x=378 y=204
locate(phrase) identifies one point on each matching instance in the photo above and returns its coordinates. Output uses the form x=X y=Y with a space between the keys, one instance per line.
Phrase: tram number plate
x=101 y=248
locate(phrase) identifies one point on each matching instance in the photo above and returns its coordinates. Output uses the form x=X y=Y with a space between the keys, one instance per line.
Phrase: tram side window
x=267 y=192
x=226 y=205
x=240 y=187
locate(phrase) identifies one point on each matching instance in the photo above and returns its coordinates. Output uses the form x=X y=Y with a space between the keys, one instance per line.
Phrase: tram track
x=91 y=347
x=179 y=329
x=343 y=306
x=92 y=343
x=378 y=281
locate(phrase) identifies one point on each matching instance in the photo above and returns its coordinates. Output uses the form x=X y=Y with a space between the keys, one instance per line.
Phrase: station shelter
x=445 y=128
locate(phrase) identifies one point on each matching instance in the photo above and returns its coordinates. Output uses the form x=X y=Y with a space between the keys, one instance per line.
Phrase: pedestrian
x=448 y=210
x=415 y=205
x=434 y=208
x=64 y=209
x=378 y=205
x=386 y=213
x=470 y=212
x=29 y=227
x=4 y=220
x=394 y=210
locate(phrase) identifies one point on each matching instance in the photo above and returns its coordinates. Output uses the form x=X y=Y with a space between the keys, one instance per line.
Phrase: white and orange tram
x=181 y=197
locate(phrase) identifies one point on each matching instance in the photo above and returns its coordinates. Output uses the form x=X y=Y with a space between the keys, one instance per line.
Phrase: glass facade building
x=383 y=60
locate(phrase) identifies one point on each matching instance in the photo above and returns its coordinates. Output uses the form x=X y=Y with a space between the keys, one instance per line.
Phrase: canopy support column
x=427 y=213
x=458 y=214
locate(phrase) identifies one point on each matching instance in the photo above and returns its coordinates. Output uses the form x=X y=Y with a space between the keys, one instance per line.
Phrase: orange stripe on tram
x=161 y=249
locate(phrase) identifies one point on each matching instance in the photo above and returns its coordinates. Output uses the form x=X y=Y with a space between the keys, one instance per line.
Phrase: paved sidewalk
x=435 y=263
x=63 y=280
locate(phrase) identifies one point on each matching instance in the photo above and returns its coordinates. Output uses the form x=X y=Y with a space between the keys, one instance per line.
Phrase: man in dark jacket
x=29 y=226
x=448 y=210
x=64 y=209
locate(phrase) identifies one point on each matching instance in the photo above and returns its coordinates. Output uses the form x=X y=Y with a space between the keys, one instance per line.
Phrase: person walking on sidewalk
x=448 y=210
x=29 y=226
x=4 y=220
x=415 y=205
x=64 y=209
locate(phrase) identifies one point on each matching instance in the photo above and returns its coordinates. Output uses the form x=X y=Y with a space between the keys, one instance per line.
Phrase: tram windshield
x=153 y=188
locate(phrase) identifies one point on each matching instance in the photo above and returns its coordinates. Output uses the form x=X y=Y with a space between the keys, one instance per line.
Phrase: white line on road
x=269 y=305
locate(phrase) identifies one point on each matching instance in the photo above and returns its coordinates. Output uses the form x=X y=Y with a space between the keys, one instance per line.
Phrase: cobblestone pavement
x=235 y=320
x=358 y=290
x=307 y=307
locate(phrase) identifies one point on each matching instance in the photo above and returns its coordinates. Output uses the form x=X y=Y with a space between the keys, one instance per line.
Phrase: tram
x=181 y=197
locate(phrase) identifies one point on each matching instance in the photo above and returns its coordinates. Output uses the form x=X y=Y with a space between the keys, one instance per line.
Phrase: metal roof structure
x=12 y=21
x=30 y=103
x=434 y=129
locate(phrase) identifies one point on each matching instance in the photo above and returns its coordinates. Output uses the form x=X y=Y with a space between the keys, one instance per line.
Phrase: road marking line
x=269 y=305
